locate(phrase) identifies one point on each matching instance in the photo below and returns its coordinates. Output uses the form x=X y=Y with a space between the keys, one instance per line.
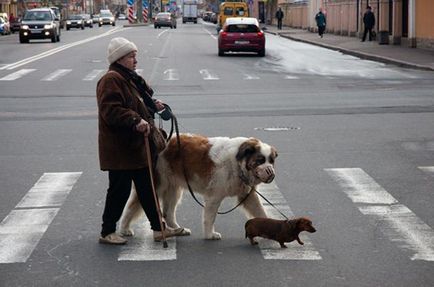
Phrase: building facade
x=398 y=22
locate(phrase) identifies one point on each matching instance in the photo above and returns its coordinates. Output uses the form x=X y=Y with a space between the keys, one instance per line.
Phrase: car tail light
x=260 y=34
x=224 y=34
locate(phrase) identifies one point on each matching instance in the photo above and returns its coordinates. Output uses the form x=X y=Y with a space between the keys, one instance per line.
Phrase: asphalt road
x=356 y=155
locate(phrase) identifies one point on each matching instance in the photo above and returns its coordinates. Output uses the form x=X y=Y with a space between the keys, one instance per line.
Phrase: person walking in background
x=11 y=18
x=320 y=22
x=279 y=16
x=369 y=21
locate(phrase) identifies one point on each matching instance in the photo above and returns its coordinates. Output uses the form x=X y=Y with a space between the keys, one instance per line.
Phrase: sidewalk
x=391 y=54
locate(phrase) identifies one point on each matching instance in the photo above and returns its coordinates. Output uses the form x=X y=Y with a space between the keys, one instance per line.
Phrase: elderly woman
x=125 y=116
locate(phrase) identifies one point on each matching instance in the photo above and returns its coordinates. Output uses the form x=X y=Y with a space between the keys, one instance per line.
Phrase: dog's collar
x=244 y=178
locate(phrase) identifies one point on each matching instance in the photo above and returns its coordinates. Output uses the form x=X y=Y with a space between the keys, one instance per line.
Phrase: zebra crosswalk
x=166 y=75
x=399 y=223
x=22 y=229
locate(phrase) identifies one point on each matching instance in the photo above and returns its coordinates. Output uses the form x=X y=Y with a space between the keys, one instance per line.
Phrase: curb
x=361 y=55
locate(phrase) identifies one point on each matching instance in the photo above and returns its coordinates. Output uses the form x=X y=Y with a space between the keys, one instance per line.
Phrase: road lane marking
x=427 y=169
x=58 y=49
x=142 y=247
x=139 y=72
x=17 y=75
x=212 y=35
x=360 y=187
x=93 y=75
x=23 y=227
x=161 y=33
x=250 y=77
x=50 y=190
x=56 y=75
x=397 y=222
x=160 y=56
x=271 y=249
x=171 y=75
x=21 y=231
x=207 y=75
x=290 y=77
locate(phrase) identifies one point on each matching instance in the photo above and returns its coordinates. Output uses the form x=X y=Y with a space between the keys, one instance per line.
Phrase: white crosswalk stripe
x=93 y=75
x=427 y=169
x=271 y=249
x=139 y=72
x=143 y=248
x=291 y=77
x=250 y=77
x=398 y=222
x=22 y=229
x=16 y=75
x=56 y=75
x=208 y=75
x=170 y=74
x=24 y=226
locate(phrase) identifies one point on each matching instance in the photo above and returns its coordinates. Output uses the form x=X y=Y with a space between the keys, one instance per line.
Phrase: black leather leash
x=263 y=197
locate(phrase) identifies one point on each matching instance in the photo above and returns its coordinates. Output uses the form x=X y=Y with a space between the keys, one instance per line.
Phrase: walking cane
x=157 y=203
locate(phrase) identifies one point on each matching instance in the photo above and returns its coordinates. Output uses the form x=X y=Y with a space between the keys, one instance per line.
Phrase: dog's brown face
x=259 y=159
x=305 y=224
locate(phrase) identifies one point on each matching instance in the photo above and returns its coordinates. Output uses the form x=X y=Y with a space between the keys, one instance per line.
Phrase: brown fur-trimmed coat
x=121 y=147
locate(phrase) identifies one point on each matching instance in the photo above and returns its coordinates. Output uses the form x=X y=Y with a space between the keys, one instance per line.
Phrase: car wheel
x=82 y=27
x=261 y=53
x=155 y=27
x=114 y=24
x=99 y=25
x=221 y=53
x=53 y=39
x=67 y=28
x=22 y=40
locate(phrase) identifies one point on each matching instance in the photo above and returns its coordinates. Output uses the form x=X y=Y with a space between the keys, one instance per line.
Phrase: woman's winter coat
x=121 y=108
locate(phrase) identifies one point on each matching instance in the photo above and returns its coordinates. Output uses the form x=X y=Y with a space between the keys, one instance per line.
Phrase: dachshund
x=279 y=230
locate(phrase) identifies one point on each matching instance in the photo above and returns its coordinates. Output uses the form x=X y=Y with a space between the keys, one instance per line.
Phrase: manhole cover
x=277 y=129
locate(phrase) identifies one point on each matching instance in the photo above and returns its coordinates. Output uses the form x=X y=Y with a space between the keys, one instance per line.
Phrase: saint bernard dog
x=216 y=168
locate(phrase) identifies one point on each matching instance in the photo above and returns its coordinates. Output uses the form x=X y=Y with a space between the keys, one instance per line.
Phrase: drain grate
x=277 y=129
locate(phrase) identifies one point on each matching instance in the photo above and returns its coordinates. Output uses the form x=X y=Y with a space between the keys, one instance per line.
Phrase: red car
x=241 y=35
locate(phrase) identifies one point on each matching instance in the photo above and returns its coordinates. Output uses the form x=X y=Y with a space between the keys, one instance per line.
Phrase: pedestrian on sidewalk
x=321 y=22
x=369 y=21
x=279 y=16
x=125 y=116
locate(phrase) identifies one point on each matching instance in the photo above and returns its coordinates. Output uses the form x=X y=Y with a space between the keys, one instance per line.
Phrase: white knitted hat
x=119 y=47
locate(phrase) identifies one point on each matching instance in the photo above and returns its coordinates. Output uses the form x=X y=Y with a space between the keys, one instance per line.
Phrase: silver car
x=40 y=23
x=106 y=18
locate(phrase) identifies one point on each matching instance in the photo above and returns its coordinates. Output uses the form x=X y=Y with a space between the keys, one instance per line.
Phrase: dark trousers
x=367 y=30
x=321 y=30
x=118 y=193
x=279 y=24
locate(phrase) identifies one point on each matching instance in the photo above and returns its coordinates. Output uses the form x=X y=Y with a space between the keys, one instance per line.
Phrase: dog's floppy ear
x=246 y=149
x=274 y=151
